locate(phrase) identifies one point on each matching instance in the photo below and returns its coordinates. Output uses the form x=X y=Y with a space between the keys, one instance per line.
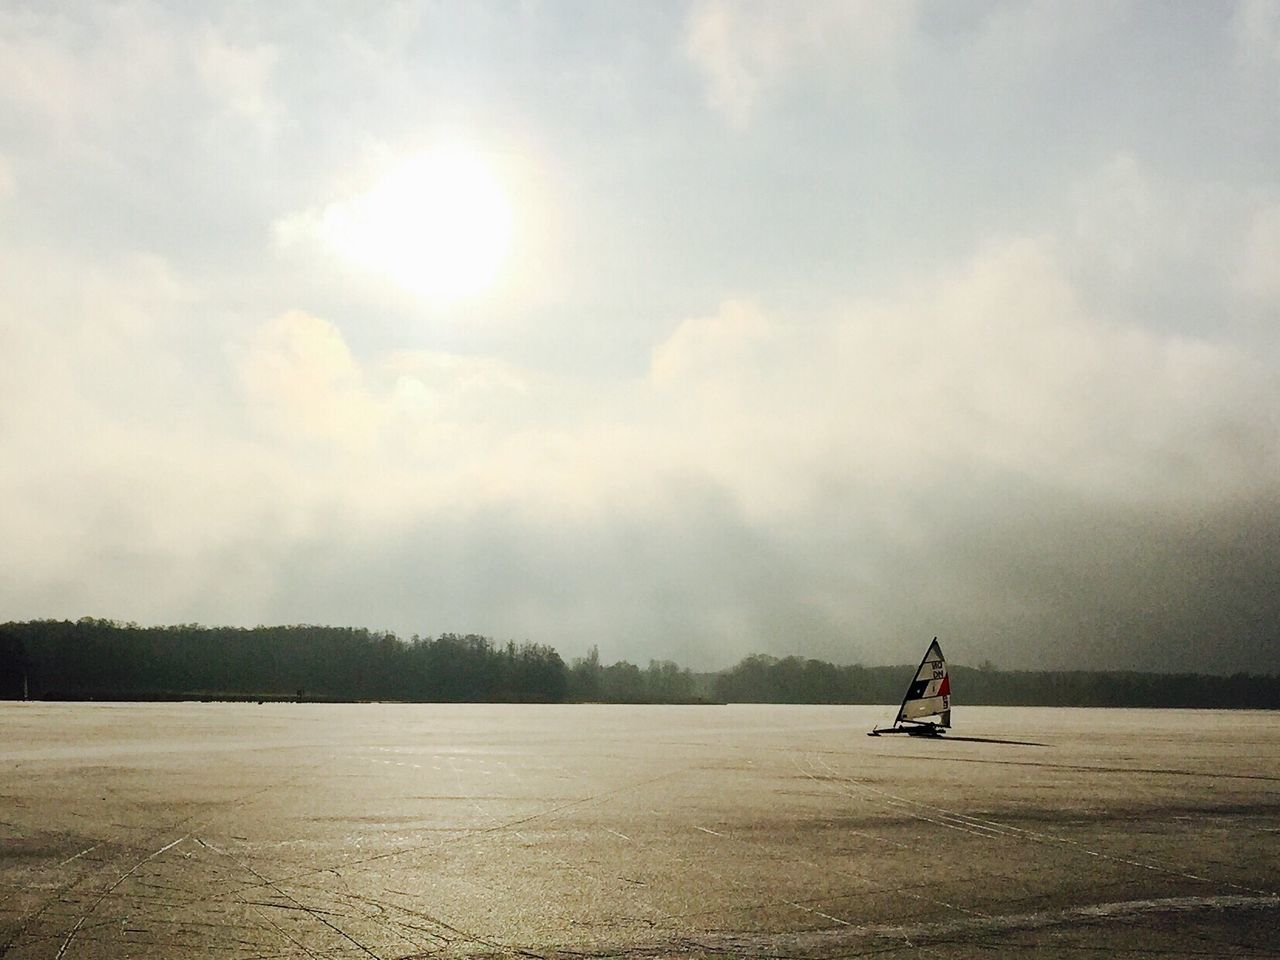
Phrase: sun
x=437 y=225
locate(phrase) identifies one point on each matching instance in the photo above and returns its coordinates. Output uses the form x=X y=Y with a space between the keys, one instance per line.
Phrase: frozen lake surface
x=387 y=831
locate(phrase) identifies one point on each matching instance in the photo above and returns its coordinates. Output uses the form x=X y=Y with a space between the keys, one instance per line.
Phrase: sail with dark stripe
x=930 y=692
x=928 y=695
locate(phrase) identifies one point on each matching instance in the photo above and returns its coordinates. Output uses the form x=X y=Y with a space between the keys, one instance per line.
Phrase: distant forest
x=104 y=660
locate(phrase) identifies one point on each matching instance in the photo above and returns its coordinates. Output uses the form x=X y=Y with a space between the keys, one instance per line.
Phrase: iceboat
x=929 y=695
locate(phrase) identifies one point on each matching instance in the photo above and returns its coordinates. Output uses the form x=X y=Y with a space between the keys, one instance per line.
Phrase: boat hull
x=914 y=730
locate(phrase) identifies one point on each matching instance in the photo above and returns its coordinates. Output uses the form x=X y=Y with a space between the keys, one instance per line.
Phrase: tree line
x=765 y=679
x=100 y=659
x=105 y=660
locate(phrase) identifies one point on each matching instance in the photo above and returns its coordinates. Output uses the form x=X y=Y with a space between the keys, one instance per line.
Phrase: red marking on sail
x=945 y=689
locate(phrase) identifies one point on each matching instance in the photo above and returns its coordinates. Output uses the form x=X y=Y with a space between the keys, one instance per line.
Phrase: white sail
x=930 y=692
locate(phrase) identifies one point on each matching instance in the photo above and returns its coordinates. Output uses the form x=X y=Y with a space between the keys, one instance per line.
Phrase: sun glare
x=437 y=225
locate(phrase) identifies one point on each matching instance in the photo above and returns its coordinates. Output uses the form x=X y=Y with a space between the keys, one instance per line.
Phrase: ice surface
x=369 y=830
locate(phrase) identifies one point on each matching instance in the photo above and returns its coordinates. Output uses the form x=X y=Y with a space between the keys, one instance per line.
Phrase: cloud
x=134 y=494
x=410 y=432
x=238 y=76
x=93 y=66
x=69 y=76
x=1257 y=276
x=1170 y=253
x=1030 y=403
x=1255 y=26
x=981 y=451
x=747 y=51
x=996 y=366
x=1027 y=39
x=37 y=76
x=1122 y=218
x=701 y=345
x=299 y=374
x=975 y=454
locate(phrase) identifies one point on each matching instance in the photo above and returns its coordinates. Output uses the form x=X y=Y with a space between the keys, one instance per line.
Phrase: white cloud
x=993 y=369
x=38 y=78
x=746 y=51
x=760 y=472
x=133 y=491
x=72 y=75
x=299 y=374
x=1023 y=39
x=996 y=367
x=817 y=448
x=220 y=433
x=1167 y=252
x=1258 y=273
x=702 y=345
x=1121 y=216
x=239 y=78
x=399 y=436
x=1256 y=28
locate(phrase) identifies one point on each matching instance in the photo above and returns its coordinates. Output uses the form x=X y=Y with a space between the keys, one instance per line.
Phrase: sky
x=685 y=329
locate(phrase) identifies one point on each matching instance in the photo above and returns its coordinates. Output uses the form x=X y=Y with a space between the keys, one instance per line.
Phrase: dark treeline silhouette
x=764 y=679
x=101 y=659
x=1088 y=688
x=13 y=666
x=622 y=682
